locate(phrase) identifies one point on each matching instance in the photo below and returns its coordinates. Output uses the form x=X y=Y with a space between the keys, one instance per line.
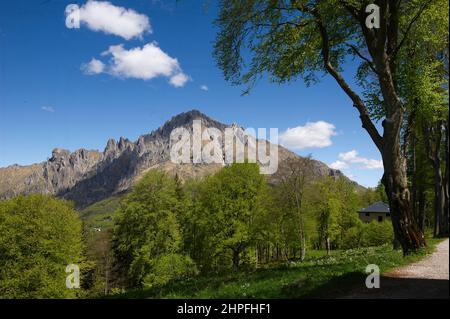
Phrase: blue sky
x=50 y=96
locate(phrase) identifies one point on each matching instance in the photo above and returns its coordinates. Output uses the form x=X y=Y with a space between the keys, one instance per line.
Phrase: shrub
x=377 y=233
x=168 y=267
x=352 y=238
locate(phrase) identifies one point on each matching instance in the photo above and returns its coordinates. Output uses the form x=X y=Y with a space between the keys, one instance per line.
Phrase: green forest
x=165 y=231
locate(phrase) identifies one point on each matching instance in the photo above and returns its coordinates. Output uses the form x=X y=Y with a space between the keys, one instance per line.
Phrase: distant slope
x=101 y=214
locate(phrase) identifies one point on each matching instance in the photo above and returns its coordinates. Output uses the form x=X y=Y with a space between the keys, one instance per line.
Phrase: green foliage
x=167 y=231
x=311 y=278
x=147 y=229
x=170 y=266
x=353 y=237
x=291 y=206
x=368 y=235
x=423 y=79
x=101 y=277
x=284 y=44
x=381 y=193
x=377 y=233
x=423 y=62
x=39 y=237
x=336 y=204
x=372 y=195
x=227 y=206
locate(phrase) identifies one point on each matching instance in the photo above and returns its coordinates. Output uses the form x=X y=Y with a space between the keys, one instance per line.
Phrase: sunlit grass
x=318 y=276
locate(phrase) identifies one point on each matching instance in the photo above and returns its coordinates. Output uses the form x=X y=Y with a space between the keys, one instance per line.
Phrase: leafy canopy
x=39 y=237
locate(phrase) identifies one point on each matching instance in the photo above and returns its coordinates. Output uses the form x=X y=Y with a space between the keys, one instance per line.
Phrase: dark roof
x=378 y=207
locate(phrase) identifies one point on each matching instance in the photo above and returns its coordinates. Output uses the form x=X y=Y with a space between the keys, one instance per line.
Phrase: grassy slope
x=318 y=276
x=101 y=214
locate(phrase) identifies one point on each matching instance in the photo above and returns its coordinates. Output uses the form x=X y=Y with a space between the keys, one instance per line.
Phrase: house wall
x=373 y=216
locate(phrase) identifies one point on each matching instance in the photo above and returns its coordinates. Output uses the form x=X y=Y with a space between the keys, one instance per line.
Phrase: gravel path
x=434 y=266
x=428 y=278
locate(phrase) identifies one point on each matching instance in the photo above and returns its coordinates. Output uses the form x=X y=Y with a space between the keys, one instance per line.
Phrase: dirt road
x=428 y=278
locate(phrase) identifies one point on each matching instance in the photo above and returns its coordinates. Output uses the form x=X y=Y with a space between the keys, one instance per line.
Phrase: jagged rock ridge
x=87 y=176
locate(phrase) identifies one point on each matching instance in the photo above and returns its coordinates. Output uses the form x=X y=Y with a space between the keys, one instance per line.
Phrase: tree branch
x=276 y=25
x=367 y=123
x=355 y=49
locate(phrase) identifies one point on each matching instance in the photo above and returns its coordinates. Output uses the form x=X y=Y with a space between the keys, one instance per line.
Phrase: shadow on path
x=390 y=288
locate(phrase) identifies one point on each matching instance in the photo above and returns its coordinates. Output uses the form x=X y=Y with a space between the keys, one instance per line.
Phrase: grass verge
x=319 y=276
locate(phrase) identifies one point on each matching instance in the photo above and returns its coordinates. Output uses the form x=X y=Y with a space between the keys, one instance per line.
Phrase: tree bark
x=439 y=203
x=328 y=245
x=433 y=139
x=421 y=208
x=303 y=246
x=394 y=180
x=414 y=194
x=446 y=178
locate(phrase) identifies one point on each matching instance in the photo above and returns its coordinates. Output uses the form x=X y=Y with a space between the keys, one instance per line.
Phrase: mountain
x=88 y=176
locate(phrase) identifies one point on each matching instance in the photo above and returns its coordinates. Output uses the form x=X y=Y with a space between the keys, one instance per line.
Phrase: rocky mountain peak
x=185 y=120
x=59 y=153
x=86 y=176
x=124 y=144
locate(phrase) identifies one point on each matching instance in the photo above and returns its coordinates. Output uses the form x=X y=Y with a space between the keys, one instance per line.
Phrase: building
x=378 y=211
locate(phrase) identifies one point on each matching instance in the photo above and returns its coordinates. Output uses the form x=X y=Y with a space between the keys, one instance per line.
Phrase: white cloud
x=351 y=176
x=143 y=63
x=204 y=87
x=348 y=158
x=179 y=79
x=372 y=163
x=110 y=19
x=339 y=165
x=312 y=134
x=48 y=109
x=93 y=67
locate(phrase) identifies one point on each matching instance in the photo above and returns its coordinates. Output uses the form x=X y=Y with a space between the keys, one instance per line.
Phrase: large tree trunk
x=328 y=245
x=394 y=180
x=414 y=182
x=433 y=139
x=421 y=209
x=417 y=187
x=446 y=179
x=439 y=203
x=303 y=245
